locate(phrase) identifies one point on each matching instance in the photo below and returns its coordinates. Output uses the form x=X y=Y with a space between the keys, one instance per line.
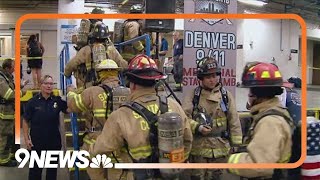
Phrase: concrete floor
x=9 y=173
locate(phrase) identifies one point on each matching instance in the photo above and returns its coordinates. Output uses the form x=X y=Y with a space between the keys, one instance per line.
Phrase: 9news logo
x=60 y=159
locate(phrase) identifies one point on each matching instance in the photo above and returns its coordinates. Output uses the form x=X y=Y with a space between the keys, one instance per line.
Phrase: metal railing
x=64 y=83
x=64 y=59
x=145 y=36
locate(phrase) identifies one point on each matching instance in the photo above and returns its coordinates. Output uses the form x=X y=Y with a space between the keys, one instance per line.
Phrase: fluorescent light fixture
x=254 y=2
x=249 y=12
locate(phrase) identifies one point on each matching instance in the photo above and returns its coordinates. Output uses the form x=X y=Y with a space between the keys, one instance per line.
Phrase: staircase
x=69 y=146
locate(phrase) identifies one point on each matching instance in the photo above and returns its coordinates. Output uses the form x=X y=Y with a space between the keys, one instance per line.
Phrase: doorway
x=316 y=64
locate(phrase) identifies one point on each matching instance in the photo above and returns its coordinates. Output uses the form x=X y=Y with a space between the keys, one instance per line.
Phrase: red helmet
x=260 y=74
x=141 y=67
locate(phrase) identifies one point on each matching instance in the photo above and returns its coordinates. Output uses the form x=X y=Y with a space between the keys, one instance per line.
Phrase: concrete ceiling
x=36 y=5
x=123 y=6
x=308 y=9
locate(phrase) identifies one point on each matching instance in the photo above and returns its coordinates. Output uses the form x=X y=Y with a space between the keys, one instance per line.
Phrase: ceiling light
x=254 y=2
x=249 y=12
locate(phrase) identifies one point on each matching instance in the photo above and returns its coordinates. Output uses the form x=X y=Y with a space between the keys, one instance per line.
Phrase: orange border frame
x=177 y=16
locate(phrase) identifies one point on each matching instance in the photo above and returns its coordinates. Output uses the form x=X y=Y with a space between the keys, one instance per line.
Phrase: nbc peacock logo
x=101 y=161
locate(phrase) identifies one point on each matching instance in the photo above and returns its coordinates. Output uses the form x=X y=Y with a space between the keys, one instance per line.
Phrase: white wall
x=264 y=37
x=7 y=45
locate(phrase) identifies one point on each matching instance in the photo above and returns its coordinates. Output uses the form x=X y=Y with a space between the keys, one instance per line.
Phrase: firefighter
x=96 y=10
x=220 y=129
x=86 y=26
x=128 y=129
x=269 y=136
x=132 y=28
x=97 y=100
x=83 y=63
x=7 y=145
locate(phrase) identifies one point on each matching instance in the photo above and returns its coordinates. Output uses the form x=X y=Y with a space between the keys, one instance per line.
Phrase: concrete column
x=67 y=7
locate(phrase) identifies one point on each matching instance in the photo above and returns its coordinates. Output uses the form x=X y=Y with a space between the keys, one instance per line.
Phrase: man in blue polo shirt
x=163 y=51
x=178 y=60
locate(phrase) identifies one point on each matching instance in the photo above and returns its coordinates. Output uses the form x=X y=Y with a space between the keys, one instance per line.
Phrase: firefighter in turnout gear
x=214 y=120
x=100 y=100
x=86 y=26
x=132 y=28
x=7 y=146
x=132 y=129
x=269 y=137
x=82 y=65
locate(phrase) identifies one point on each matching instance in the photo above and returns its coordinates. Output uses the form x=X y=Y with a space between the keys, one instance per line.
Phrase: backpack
x=152 y=119
x=34 y=49
x=115 y=97
x=295 y=136
x=91 y=75
x=118 y=35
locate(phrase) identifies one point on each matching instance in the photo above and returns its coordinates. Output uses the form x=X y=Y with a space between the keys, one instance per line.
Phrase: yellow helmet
x=106 y=64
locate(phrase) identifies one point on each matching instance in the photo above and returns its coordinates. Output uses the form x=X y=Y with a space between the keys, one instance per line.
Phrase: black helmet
x=137 y=8
x=99 y=31
x=207 y=66
x=97 y=10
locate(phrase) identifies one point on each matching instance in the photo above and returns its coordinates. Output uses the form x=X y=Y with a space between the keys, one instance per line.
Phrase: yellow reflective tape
x=3 y=161
x=193 y=125
x=231 y=158
x=221 y=121
x=265 y=74
x=99 y=115
x=4 y=116
x=236 y=139
x=8 y=93
x=236 y=160
x=99 y=110
x=70 y=94
x=139 y=155
x=140 y=152
x=79 y=102
x=210 y=153
x=277 y=74
x=237 y=157
x=76 y=99
x=285 y=159
x=88 y=141
x=141 y=148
